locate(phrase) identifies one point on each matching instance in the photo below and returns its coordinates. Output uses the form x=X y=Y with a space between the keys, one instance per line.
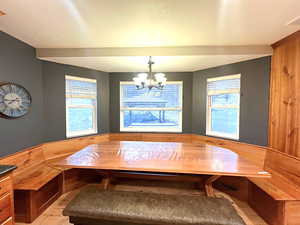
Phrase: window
x=81 y=106
x=223 y=106
x=151 y=111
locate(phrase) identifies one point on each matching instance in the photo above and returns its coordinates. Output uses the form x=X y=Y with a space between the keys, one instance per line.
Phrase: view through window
x=151 y=110
x=223 y=106
x=81 y=106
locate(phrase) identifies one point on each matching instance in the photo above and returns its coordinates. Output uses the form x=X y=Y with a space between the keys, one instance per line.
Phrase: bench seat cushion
x=150 y=208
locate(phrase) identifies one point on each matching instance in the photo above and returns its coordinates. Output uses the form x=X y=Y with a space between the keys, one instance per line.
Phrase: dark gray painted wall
x=54 y=97
x=18 y=64
x=114 y=85
x=254 y=100
x=45 y=81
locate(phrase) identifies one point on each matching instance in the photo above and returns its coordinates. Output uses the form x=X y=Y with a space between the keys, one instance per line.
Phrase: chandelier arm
x=151 y=82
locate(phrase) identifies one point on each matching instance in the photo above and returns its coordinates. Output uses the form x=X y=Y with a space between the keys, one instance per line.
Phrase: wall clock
x=15 y=100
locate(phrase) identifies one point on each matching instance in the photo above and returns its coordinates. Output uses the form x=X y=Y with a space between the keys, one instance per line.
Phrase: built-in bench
x=29 y=179
x=36 y=176
x=94 y=206
x=277 y=199
x=37 y=183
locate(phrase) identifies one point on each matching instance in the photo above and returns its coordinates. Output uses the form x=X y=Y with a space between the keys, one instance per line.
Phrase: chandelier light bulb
x=163 y=81
x=143 y=76
x=159 y=77
x=147 y=82
x=137 y=81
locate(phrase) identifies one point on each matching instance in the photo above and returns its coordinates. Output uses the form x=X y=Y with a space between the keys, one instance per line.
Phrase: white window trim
x=209 y=132
x=68 y=77
x=152 y=129
x=95 y=124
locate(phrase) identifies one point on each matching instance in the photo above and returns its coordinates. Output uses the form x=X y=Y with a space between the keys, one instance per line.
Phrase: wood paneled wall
x=284 y=118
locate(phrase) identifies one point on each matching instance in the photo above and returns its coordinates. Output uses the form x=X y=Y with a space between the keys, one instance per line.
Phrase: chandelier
x=145 y=80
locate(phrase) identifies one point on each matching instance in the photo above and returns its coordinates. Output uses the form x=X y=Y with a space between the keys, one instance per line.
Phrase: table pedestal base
x=209 y=190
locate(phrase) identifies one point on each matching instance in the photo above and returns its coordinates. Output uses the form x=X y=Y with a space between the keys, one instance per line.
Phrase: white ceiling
x=146 y=23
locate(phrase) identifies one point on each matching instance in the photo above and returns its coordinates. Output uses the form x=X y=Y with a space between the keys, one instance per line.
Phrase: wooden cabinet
x=6 y=201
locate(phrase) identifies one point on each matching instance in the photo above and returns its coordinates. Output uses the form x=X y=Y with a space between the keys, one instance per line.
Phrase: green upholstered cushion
x=150 y=208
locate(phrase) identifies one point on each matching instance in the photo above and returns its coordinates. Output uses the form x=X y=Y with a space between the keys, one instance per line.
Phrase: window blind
x=80 y=87
x=227 y=84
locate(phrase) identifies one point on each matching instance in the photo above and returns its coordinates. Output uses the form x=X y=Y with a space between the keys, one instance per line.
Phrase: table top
x=163 y=157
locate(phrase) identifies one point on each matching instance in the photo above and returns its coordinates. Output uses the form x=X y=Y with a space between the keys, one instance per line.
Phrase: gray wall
x=54 y=97
x=18 y=64
x=114 y=84
x=254 y=98
x=45 y=81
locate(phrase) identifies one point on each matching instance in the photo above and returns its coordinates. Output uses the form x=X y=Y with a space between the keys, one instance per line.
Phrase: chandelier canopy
x=145 y=80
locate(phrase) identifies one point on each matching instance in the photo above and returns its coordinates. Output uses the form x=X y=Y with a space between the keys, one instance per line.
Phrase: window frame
x=209 y=107
x=94 y=107
x=151 y=129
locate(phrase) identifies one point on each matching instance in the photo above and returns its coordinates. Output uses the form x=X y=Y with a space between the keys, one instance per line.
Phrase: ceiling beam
x=154 y=51
x=2 y=13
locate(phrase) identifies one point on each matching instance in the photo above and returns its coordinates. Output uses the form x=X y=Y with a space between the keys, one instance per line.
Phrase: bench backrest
x=158 y=137
x=30 y=158
x=25 y=160
x=254 y=153
x=283 y=167
x=67 y=147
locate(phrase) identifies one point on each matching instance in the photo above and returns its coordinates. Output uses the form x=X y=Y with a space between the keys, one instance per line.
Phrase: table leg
x=105 y=183
x=209 y=190
x=107 y=179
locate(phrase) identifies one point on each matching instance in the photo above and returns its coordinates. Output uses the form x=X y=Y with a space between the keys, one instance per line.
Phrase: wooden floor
x=53 y=215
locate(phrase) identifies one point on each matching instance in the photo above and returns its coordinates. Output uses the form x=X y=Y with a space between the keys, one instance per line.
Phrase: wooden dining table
x=164 y=157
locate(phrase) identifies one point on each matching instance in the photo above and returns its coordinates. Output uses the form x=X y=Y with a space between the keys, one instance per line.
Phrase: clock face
x=15 y=100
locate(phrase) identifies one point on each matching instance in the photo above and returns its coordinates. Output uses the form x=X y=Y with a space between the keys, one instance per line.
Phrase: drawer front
x=5 y=208
x=8 y=222
x=5 y=185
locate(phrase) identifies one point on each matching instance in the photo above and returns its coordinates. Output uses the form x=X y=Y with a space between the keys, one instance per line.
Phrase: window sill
x=234 y=138
x=149 y=131
x=81 y=134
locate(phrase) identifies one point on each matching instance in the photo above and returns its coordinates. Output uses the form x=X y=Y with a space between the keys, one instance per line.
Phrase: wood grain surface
x=284 y=121
x=167 y=157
